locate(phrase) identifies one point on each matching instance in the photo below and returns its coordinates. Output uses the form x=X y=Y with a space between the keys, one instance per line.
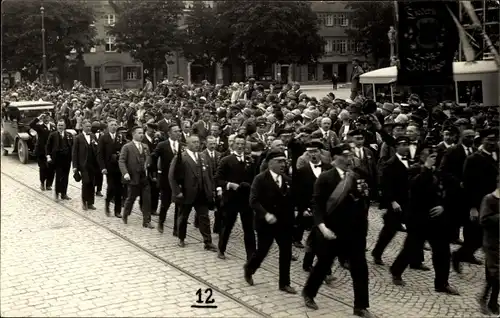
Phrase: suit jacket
x=441 y=150
x=108 y=152
x=84 y=155
x=349 y=219
x=130 y=162
x=395 y=183
x=331 y=139
x=160 y=160
x=183 y=138
x=200 y=129
x=222 y=144
x=451 y=169
x=304 y=184
x=257 y=142
x=151 y=144
x=163 y=125
x=196 y=176
x=369 y=165
x=242 y=173
x=213 y=162
x=479 y=177
x=52 y=147
x=42 y=132
x=267 y=197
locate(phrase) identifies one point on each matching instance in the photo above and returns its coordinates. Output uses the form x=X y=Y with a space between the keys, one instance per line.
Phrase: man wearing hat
x=271 y=199
x=341 y=226
x=257 y=140
x=451 y=169
x=394 y=183
x=449 y=135
x=367 y=159
x=480 y=178
x=97 y=131
x=304 y=181
x=108 y=152
x=43 y=128
x=84 y=157
x=151 y=140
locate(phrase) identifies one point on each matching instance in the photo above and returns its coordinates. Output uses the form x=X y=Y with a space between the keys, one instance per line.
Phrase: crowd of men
x=287 y=164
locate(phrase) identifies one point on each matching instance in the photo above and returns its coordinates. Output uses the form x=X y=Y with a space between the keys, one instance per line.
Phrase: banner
x=427 y=42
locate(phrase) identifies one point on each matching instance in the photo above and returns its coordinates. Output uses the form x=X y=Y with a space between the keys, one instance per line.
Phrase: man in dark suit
x=271 y=199
x=221 y=142
x=167 y=120
x=151 y=139
x=43 y=128
x=192 y=185
x=367 y=160
x=97 y=130
x=426 y=220
x=451 y=170
x=132 y=163
x=108 y=152
x=58 y=150
x=480 y=178
x=85 y=163
x=187 y=130
x=213 y=158
x=202 y=127
x=395 y=186
x=340 y=211
x=161 y=157
x=450 y=134
x=234 y=176
x=415 y=146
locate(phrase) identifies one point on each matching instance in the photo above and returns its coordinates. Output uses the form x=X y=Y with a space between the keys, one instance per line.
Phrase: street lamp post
x=392 y=41
x=44 y=56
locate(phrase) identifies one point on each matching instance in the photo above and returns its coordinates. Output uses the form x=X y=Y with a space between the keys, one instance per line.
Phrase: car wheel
x=5 y=152
x=22 y=151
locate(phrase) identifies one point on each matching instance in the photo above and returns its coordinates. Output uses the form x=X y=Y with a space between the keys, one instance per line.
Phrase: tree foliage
x=68 y=27
x=372 y=20
x=266 y=32
x=148 y=30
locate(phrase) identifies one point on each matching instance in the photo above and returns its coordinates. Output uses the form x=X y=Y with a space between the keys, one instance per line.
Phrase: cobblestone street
x=58 y=260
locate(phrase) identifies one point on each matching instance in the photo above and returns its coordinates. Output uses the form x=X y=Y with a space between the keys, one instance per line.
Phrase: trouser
x=200 y=206
x=98 y=177
x=114 y=191
x=62 y=166
x=246 y=216
x=312 y=251
x=154 y=196
x=301 y=223
x=218 y=216
x=138 y=190
x=491 y=288
x=266 y=234
x=46 y=171
x=440 y=246
x=334 y=86
x=473 y=236
x=88 y=186
x=166 y=200
x=328 y=250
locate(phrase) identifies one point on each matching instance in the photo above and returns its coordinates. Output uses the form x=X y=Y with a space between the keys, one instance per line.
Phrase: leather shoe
x=148 y=226
x=298 y=244
x=421 y=267
x=56 y=197
x=247 y=275
x=155 y=213
x=118 y=215
x=494 y=308
x=378 y=261
x=160 y=228
x=181 y=243
x=294 y=258
x=288 y=289
x=91 y=207
x=65 y=197
x=125 y=218
x=309 y=302
x=307 y=268
x=397 y=280
x=473 y=261
x=447 y=290
x=221 y=255
x=330 y=279
x=42 y=187
x=48 y=188
x=98 y=194
x=363 y=313
x=210 y=247
x=455 y=263
x=106 y=211
x=84 y=207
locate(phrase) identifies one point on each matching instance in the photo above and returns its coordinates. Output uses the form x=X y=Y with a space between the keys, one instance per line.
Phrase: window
x=110 y=19
x=329 y=20
x=110 y=44
x=112 y=74
x=340 y=46
x=354 y=47
x=469 y=92
x=188 y=4
x=132 y=73
x=92 y=49
x=327 y=71
x=329 y=46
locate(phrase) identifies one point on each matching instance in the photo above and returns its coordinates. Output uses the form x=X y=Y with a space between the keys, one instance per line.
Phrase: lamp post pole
x=44 y=55
x=392 y=41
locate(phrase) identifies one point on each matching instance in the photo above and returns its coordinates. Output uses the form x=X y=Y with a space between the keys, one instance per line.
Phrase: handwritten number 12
x=208 y=300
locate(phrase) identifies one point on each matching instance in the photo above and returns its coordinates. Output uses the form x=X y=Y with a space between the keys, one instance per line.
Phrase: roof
x=389 y=74
x=30 y=104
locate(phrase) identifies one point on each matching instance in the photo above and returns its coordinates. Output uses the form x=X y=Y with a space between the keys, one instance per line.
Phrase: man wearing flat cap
x=271 y=199
x=341 y=225
x=480 y=178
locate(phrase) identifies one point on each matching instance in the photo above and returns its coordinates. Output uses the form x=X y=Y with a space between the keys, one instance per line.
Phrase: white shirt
x=87 y=137
x=193 y=155
x=113 y=136
x=286 y=153
x=468 y=150
x=48 y=126
x=173 y=145
x=413 y=151
x=217 y=139
x=405 y=162
x=359 y=153
x=138 y=145
x=324 y=132
x=447 y=145
x=346 y=130
x=97 y=135
x=149 y=138
x=276 y=178
x=211 y=153
x=315 y=170
x=238 y=156
x=492 y=154
x=341 y=173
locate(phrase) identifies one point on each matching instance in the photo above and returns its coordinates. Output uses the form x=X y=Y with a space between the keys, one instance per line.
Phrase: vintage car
x=16 y=132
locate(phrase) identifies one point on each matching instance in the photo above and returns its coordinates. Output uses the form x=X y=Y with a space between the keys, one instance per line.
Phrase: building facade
x=104 y=66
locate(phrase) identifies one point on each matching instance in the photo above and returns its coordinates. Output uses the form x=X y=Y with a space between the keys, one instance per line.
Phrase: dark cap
x=285 y=131
x=489 y=133
x=341 y=149
x=452 y=129
x=121 y=129
x=313 y=145
x=260 y=122
x=152 y=126
x=356 y=132
x=275 y=154
x=402 y=139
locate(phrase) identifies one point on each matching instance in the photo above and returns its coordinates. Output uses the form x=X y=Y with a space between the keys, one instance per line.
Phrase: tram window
x=368 y=91
x=470 y=91
x=383 y=93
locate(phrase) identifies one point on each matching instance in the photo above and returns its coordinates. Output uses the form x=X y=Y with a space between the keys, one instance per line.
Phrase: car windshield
x=28 y=115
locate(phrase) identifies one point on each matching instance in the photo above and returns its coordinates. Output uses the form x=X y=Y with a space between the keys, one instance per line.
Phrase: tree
x=67 y=29
x=148 y=30
x=267 y=32
x=371 y=21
